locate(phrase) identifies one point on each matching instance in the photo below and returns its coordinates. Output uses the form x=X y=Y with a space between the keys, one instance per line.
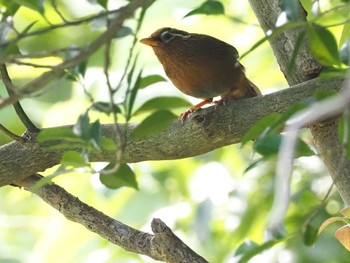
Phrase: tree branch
x=325 y=134
x=59 y=70
x=204 y=131
x=163 y=245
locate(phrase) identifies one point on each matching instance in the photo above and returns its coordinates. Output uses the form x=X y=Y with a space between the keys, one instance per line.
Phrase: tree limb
x=163 y=245
x=59 y=70
x=204 y=131
x=325 y=134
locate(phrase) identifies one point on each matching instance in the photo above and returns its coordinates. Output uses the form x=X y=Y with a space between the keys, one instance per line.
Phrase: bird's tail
x=245 y=89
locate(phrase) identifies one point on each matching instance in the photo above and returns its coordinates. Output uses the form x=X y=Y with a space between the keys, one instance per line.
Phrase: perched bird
x=201 y=66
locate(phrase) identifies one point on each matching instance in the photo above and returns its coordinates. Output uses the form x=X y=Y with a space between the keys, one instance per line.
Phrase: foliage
x=206 y=197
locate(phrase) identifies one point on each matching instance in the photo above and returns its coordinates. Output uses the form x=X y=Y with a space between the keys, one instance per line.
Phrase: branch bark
x=163 y=245
x=325 y=134
x=204 y=131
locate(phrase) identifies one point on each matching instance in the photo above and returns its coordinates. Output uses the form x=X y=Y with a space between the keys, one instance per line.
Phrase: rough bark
x=204 y=131
x=325 y=134
x=163 y=245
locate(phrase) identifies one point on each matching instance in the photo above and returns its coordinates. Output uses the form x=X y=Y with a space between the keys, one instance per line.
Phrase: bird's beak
x=149 y=41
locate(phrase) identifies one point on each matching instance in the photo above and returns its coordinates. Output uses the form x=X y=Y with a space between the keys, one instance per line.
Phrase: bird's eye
x=166 y=37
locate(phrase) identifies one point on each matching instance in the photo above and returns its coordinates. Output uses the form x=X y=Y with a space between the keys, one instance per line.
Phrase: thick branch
x=163 y=245
x=204 y=131
x=325 y=134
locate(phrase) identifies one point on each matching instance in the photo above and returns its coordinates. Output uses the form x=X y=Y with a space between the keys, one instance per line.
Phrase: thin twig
x=58 y=26
x=45 y=78
x=11 y=134
x=31 y=127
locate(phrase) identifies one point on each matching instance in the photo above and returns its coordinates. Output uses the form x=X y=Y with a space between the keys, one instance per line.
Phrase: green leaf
x=124 y=176
x=74 y=159
x=245 y=247
x=259 y=127
x=154 y=124
x=82 y=127
x=255 y=250
x=57 y=134
x=11 y=7
x=149 y=80
x=108 y=144
x=270 y=145
x=345 y=34
x=35 y=5
x=95 y=133
x=209 y=7
x=131 y=90
x=291 y=8
x=103 y=3
x=88 y=132
x=309 y=235
x=323 y=45
x=27 y=28
x=162 y=103
x=123 y=32
x=303 y=149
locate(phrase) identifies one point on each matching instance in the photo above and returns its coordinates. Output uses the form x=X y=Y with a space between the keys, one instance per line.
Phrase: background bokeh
x=209 y=201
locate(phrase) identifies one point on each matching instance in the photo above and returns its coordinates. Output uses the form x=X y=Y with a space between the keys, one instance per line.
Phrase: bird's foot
x=184 y=115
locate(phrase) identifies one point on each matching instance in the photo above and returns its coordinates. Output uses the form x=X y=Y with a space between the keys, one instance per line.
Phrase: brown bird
x=201 y=66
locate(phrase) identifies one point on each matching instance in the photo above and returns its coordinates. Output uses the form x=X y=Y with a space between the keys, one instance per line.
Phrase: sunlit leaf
x=108 y=144
x=209 y=7
x=163 y=103
x=149 y=80
x=28 y=27
x=323 y=45
x=74 y=159
x=345 y=34
x=346 y=212
x=343 y=236
x=124 y=176
x=32 y=4
x=154 y=124
x=330 y=221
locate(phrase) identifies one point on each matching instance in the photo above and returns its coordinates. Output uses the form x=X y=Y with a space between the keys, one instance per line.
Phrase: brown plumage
x=201 y=66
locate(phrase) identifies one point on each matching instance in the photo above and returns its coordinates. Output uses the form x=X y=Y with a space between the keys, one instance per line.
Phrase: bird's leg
x=184 y=115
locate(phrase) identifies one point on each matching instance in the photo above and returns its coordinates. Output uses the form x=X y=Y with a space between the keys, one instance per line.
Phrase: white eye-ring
x=166 y=36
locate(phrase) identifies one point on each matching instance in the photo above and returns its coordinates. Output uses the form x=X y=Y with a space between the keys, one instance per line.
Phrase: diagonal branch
x=39 y=83
x=207 y=130
x=163 y=245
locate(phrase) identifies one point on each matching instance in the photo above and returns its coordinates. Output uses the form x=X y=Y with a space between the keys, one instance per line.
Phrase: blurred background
x=209 y=201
